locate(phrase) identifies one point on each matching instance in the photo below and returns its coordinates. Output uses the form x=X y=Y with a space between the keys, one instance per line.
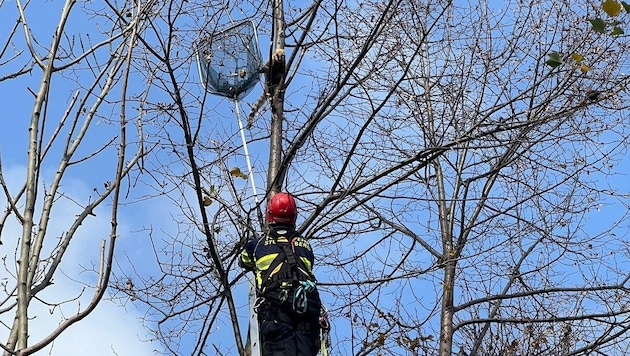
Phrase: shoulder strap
x=289 y=250
x=296 y=263
x=286 y=267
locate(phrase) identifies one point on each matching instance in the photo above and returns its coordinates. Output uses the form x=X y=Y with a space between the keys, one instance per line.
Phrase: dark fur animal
x=274 y=71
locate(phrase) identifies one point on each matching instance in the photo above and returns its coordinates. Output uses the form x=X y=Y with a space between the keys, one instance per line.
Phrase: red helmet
x=282 y=209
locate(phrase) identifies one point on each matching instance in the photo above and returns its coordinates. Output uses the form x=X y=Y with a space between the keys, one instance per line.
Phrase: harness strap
x=288 y=279
x=278 y=275
x=273 y=276
x=289 y=253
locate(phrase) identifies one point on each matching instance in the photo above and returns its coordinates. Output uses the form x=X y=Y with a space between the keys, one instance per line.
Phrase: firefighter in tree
x=288 y=304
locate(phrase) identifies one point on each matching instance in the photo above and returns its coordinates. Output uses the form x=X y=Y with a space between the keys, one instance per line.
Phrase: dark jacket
x=259 y=254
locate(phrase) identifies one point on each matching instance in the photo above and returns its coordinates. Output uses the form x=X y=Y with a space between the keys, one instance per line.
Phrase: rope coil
x=300 y=300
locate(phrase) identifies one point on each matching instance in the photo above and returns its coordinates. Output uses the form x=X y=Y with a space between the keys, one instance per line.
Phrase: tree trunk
x=275 y=175
x=446 y=318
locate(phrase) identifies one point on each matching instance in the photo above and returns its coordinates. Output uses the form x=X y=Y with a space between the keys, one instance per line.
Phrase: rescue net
x=229 y=61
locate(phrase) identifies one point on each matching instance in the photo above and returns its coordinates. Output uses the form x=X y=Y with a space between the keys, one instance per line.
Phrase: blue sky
x=110 y=321
x=111 y=329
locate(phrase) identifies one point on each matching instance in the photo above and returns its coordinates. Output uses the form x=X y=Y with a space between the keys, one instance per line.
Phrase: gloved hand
x=245 y=259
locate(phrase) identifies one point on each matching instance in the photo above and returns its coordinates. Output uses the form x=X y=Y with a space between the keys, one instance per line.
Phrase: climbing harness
x=287 y=272
x=281 y=270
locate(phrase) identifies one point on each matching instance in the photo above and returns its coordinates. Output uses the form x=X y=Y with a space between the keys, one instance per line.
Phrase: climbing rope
x=300 y=300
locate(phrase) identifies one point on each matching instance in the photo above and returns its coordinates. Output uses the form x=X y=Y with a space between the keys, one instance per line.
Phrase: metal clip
x=259 y=302
x=284 y=295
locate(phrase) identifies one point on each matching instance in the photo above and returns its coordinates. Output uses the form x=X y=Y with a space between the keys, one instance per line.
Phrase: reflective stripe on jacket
x=259 y=254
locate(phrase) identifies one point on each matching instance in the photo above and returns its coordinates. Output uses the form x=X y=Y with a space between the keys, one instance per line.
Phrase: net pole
x=245 y=151
x=254 y=335
x=253 y=318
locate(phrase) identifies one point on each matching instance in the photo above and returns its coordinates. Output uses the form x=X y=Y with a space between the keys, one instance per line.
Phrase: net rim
x=201 y=60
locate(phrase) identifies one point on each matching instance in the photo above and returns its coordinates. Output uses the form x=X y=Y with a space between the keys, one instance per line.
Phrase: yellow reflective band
x=245 y=259
x=264 y=262
x=307 y=263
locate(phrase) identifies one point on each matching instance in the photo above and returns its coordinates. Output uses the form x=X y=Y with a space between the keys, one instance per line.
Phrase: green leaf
x=617 y=31
x=626 y=6
x=598 y=24
x=555 y=59
x=553 y=64
x=555 y=56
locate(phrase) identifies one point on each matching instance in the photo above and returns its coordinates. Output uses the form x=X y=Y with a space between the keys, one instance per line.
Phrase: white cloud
x=110 y=329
